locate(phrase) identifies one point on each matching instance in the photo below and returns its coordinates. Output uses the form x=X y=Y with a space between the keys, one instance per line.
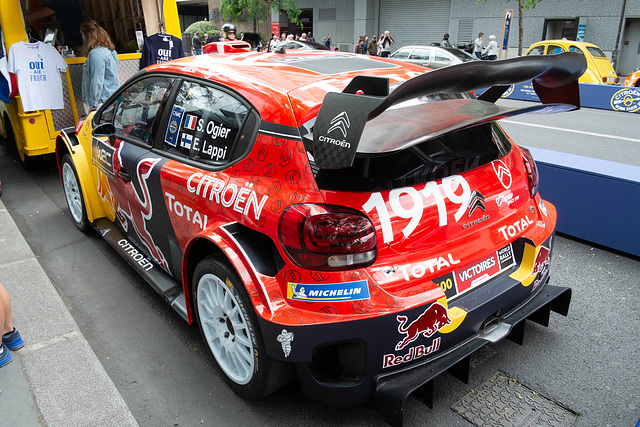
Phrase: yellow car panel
x=599 y=68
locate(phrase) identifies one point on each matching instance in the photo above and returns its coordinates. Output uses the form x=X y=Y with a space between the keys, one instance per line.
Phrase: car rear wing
x=398 y=120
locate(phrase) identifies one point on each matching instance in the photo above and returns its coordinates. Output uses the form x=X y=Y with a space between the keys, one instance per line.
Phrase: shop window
x=209 y=126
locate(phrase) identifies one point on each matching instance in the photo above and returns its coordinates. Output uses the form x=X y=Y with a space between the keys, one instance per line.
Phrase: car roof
x=299 y=78
x=564 y=42
x=306 y=43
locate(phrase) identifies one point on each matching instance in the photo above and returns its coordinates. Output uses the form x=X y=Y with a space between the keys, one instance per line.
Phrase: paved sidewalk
x=55 y=379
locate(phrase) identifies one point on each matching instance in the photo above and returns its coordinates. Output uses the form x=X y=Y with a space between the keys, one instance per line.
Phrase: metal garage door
x=414 y=21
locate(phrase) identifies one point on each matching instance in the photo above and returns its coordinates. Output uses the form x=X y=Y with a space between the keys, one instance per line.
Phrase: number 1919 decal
x=447 y=189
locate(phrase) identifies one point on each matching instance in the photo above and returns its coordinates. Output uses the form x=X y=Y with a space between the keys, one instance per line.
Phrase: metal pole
x=614 y=54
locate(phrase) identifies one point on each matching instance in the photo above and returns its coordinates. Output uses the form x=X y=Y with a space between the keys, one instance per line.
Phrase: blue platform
x=605 y=97
x=597 y=200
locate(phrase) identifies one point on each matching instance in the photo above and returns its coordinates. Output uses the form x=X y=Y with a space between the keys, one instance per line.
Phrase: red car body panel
x=467 y=241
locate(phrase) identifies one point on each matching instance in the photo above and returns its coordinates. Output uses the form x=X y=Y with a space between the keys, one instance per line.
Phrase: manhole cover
x=502 y=401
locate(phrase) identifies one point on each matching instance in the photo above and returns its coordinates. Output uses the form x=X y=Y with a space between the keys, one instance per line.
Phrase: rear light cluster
x=327 y=237
x=615 y=80
x=532 y=171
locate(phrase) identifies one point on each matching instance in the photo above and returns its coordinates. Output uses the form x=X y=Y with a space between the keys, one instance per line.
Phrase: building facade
x=426 y=21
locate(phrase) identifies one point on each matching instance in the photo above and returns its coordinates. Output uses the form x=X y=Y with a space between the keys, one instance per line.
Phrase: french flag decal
x=190 y=122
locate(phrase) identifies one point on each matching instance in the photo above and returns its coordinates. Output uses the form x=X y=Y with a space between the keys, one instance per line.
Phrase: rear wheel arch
x=265 y=260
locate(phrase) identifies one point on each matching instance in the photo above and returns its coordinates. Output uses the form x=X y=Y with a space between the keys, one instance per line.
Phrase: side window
x=538 y=50
x=205 y=125
x=442 y=58
x=422 y=54
x=554 y=48
x=402 y=54
x=136 y=107
x=576 y=49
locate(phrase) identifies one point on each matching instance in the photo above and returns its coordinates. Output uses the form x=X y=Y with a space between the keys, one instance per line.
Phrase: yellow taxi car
x=599 y=68
x=633 y=79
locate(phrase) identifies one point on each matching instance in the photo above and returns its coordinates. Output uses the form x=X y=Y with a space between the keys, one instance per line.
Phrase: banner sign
x=603 y=96
x=506 y=31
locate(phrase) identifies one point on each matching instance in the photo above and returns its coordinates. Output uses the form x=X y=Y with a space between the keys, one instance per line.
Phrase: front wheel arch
x=73 y=193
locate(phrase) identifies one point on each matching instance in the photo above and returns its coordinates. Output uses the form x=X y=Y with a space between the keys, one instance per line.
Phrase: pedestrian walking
x=196 y=43
x=373 y=46
x=327 y=41
x=386 y=42
x=11 y=339
x=100 y=76
x=477 y=46
x=445 y=40
x=359 y=45
x=492 y=49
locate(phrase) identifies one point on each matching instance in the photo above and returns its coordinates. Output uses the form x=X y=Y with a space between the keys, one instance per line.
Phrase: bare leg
x=6 y=321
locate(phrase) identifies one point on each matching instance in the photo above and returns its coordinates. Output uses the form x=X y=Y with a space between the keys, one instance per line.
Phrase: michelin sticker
x=171 y=137
x=348 y=291
x=285 y=338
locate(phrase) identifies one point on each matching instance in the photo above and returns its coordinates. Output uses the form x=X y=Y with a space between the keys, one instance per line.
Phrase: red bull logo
x=428 y=323
x=542 y=262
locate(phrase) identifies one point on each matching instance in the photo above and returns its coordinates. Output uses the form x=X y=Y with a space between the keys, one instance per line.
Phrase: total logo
x=416 y=271
x=503 y=173
x=510 y=231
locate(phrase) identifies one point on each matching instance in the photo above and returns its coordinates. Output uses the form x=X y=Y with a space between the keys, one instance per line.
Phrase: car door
x=133 y=173
x=204 y=131
x=421 y=56
x=441 y=59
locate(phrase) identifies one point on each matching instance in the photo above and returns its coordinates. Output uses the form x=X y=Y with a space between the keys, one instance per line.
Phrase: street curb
x=65 y=382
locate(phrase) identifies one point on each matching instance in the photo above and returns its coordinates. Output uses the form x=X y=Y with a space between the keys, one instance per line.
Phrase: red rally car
x=359 y=222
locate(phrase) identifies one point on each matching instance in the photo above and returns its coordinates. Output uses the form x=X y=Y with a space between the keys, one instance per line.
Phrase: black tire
x=73 y=193
x=229 y=327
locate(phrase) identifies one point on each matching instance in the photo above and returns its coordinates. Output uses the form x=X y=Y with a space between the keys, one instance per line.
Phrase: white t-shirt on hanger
x=37 y=67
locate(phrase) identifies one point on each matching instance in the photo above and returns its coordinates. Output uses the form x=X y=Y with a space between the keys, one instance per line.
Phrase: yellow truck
x=35 y=132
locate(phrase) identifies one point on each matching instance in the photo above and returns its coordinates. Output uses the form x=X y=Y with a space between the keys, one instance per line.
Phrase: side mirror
x=104 y=129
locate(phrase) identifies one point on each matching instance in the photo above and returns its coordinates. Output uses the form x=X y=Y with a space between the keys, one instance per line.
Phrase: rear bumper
x=391 y=390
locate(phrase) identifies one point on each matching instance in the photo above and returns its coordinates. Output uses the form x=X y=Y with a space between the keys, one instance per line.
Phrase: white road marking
x=599 y=135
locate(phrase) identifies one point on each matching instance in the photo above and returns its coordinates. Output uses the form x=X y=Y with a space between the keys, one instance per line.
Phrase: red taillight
x=532 y=171
x=327 y=237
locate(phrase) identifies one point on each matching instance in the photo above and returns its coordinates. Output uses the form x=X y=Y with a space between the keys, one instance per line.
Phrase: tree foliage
x=258 y=10
x=207 y=27
x=522 y=6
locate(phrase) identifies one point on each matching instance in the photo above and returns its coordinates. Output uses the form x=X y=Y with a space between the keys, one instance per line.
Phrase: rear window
x=596 y=52
x=450 y=154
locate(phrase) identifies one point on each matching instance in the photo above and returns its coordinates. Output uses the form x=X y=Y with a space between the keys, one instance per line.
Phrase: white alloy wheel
x=225 y=329
x=73 y=193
